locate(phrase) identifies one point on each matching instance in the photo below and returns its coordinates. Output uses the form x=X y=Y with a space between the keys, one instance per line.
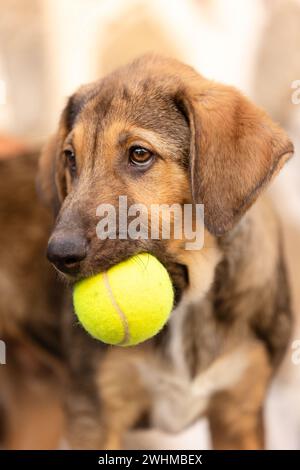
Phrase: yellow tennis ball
x=126 y=305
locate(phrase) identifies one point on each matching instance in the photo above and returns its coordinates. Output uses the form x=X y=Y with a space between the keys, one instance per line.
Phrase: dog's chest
x=175 y=403
x=179 y=398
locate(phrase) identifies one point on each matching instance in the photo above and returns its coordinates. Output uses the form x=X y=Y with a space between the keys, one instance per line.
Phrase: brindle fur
x=31 y=298
x=232 y=320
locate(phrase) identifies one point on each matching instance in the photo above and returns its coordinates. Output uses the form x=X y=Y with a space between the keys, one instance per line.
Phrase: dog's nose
x=66 y=250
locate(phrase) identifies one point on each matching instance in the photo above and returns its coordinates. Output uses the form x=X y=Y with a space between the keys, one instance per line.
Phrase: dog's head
x=159 y=133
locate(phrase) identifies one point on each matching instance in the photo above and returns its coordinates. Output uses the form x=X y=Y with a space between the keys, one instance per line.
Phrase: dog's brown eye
x=71 y=161
x=140 y=156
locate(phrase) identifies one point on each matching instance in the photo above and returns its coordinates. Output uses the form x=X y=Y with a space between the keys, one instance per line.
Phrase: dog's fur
x=232 y=322
x=31 y=299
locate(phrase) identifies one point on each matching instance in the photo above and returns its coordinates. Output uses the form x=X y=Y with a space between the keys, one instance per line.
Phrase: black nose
x=66 y=250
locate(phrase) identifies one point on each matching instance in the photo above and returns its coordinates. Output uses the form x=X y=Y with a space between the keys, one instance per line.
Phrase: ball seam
x=119 y=311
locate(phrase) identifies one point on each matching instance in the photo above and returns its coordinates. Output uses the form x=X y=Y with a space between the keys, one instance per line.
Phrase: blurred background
x=50 y=47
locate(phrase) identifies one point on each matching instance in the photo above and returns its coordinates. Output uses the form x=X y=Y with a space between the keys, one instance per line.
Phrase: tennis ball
x=126 y=305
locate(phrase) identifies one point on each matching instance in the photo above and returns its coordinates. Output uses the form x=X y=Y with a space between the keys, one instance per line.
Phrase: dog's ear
x=235 y=151
x=51 y=184
x=51 y=180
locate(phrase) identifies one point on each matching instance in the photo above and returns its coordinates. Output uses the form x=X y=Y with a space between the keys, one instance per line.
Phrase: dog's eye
x=140 y=157
x=71 y=160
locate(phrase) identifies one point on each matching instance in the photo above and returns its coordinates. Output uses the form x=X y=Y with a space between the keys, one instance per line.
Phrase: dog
x=158 y=132
x=32 y=373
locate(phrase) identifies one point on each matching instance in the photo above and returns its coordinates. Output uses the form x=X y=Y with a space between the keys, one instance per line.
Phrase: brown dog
x=30 y=310
x=158 y=132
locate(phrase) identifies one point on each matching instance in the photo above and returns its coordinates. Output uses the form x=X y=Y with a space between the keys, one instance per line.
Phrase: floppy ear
x=51 y=179
x=51 y=183
x=235 y=152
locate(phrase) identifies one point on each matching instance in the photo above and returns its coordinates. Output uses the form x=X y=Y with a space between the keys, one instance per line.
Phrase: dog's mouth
x=180 y=279
x=72 y=272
